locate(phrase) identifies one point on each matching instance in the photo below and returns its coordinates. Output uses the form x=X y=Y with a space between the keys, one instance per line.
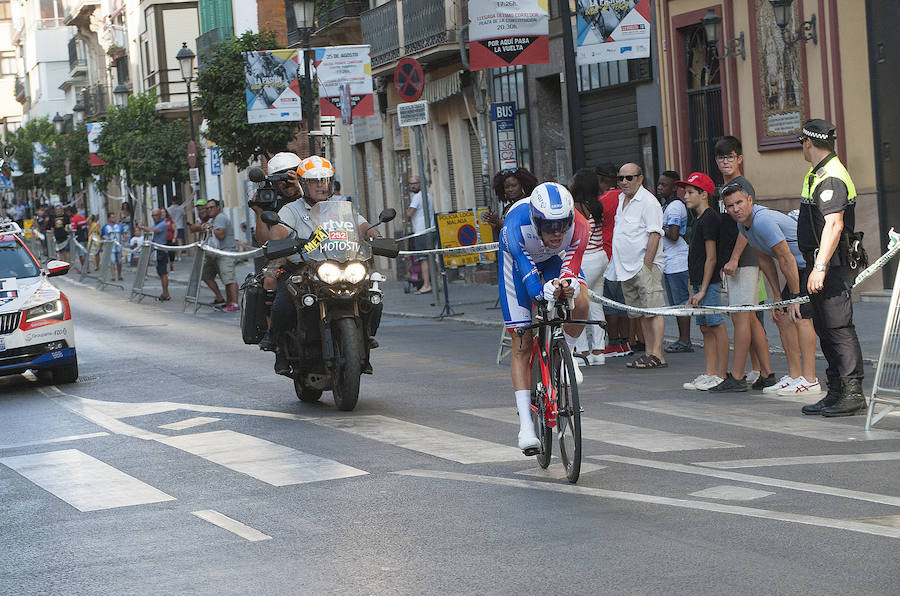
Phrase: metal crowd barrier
x=192 y=296
x=140 y=273
x=886 y=389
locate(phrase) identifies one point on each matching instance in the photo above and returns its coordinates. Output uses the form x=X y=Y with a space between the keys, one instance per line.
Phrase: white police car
x=36 y=329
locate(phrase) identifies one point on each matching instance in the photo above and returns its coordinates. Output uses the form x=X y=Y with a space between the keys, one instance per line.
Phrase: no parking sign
x=457 y=228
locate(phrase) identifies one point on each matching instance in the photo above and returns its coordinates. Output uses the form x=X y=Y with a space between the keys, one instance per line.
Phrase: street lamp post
x=304 y=14
x=58 y=123
x=120 y=93
x=185 y=59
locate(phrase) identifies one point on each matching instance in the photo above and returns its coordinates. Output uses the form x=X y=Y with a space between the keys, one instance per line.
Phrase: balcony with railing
x=337 y=21
x=77 y=57
x=425 y=25
x=21 y=91
x=380 y=31
x=94 y=99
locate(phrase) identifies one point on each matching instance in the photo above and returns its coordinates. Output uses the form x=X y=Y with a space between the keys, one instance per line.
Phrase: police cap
x=819 y=129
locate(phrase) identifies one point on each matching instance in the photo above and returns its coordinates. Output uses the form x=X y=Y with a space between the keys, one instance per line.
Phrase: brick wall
x=271 y=17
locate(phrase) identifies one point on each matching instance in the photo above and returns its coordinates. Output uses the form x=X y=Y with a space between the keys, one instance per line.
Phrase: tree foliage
x=71 y=146
x=223 y=104
x=152 y=151
x=37 y=130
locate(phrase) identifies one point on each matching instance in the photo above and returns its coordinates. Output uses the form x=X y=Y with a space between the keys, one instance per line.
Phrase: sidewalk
x=474 y=304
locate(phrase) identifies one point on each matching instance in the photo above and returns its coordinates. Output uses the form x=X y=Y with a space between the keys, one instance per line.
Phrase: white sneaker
x=782 y=383
x=692 y=385
x=528 y=440
x=579 y=377
x=802 y=387
x=596 y=359
x=709 y=382
x=752 y=376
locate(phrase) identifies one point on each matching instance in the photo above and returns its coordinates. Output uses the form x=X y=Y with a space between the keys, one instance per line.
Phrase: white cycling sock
x=571 y=341
x=523 y=404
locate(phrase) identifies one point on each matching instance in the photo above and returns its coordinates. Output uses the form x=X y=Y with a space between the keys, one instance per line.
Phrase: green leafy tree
x=223 y=104
x=135 y=139
x=38 y=130
x=71 y=146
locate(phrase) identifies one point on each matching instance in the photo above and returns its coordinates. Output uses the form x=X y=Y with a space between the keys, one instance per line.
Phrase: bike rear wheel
x=538 y=415
x=568 y=424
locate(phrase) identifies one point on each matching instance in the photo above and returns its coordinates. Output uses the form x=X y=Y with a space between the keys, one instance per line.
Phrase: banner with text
x=344 y=65
x=611 y=30
x=508 y=32
x=272 y=86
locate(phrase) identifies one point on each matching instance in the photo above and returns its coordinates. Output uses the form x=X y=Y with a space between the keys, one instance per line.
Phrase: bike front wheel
x=538 y=414
x=568 y=422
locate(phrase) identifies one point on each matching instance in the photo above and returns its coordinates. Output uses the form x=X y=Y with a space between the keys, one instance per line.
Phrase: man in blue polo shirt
x=773 y=235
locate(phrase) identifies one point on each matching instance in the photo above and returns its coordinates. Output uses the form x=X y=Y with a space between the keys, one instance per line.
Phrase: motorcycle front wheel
x=348 y=347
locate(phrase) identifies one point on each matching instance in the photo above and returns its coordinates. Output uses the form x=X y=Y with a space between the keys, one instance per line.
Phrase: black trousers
x=832 y=317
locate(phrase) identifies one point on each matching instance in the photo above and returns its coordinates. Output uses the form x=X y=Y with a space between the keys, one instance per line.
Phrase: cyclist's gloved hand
x=573 y=283
x=550 y=289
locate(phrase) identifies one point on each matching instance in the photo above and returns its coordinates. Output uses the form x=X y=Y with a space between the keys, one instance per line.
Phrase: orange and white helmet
x=315 y=168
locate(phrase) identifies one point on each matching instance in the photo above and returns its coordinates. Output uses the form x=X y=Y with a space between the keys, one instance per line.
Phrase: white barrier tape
x=893 y=249
x=248 y=254
x=429 y=230
x=459 y=250
x=688 y=311
x=174 y=247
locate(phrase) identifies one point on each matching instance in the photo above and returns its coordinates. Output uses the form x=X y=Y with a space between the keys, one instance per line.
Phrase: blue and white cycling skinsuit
x=524 y=259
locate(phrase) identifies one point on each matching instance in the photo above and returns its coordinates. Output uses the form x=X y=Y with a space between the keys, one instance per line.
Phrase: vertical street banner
x=345 y=65
x=272 y=86
x=503 y=116
x=508 y=33
x=38 y=158
x=93 y=133
x=611 y=30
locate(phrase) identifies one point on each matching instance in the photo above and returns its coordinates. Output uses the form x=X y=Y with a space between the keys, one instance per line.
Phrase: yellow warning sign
x=463 y=228
x=27 y=226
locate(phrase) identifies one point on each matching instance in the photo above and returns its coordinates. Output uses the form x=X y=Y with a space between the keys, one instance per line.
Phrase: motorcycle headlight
x=48 y=310
x=329 y=273
x=355 y=273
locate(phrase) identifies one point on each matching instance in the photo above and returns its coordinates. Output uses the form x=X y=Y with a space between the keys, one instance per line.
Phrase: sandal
x=641 y=360
x=651 y=361
x=679 y=347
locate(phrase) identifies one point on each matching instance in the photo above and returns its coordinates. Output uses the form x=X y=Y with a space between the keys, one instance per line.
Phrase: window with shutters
x=216 y=14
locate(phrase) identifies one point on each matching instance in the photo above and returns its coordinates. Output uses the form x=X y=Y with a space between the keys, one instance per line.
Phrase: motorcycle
x=337 y=299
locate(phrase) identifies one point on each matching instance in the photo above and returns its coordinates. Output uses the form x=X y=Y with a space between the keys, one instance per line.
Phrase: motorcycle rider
x=316 y=175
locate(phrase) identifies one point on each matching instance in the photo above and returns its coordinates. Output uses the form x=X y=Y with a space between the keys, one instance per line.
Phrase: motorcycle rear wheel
x=348 y=344
x=306 y=394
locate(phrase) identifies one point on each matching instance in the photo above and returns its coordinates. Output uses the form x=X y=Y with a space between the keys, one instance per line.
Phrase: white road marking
x=557 y=472
x=727 y=492
x=794 y=425
x=891 y=521
x=189 y=423
x=55 y=440
x=636 y=437
x=424 y=439
x=266 y=461
x=800 y=460
x=763 y=480
x=82 y=481
x=83 y=408
x=232 y=525
x=572 y=489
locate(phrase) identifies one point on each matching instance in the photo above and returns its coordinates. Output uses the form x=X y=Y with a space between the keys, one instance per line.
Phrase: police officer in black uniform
x=826 y=220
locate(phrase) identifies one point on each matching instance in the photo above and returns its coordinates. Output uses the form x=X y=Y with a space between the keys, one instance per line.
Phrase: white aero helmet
x=552 y=208
x=283 y=161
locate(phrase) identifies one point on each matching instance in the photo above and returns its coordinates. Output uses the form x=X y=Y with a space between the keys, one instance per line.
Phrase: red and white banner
x=508 y=32
x=338 y=66
x=611 y=30
x=93 y=132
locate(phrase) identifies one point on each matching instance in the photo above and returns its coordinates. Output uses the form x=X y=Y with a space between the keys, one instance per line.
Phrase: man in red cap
x=705 y=274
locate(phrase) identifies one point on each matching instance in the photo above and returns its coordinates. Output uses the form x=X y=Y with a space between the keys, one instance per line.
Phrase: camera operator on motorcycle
x=316 y=176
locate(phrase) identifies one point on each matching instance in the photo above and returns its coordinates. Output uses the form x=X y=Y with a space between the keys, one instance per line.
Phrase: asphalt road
x=179 y=463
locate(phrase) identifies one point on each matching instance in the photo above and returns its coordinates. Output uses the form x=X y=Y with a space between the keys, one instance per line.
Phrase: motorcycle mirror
x=270 y=217
x=256 y=174
x=387 y=215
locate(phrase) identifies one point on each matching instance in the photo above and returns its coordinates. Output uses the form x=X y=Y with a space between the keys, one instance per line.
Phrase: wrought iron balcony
x=95 y=99
x=21 y=92
x=424 y=25
x=77 y=59
x=332 y=11
x=380 y=31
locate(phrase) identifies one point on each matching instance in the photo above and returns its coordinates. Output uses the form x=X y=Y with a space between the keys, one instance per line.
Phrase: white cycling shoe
x=528 y=441
x=579 y=377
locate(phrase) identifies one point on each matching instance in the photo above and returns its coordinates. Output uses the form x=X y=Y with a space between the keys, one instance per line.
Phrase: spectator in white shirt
x=416 y=214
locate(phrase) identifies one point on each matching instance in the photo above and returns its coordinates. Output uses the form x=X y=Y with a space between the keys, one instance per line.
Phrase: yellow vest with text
x=832 y=169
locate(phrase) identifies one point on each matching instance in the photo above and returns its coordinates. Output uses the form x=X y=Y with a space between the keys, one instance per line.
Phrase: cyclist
x=542 y=235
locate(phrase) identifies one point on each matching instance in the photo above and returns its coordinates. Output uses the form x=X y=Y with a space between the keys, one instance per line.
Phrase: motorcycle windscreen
x=336 y=236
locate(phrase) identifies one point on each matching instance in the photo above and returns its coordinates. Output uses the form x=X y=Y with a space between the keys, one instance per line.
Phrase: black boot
x=266 y=344
x=852 y=400
x=282 y=366
x=831 y=398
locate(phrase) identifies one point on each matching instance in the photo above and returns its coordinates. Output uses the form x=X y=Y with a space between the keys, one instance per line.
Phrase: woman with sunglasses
x=585 y=190
x=509 y=186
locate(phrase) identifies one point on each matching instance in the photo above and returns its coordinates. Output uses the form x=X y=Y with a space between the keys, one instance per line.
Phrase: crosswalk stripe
x=82 y=481
x=268 y=462
x=756 y=419
x=614 y=433
x=190 y=423
x=54 y=440
x=424 y=439
x=800 y=460
x=232 y=525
